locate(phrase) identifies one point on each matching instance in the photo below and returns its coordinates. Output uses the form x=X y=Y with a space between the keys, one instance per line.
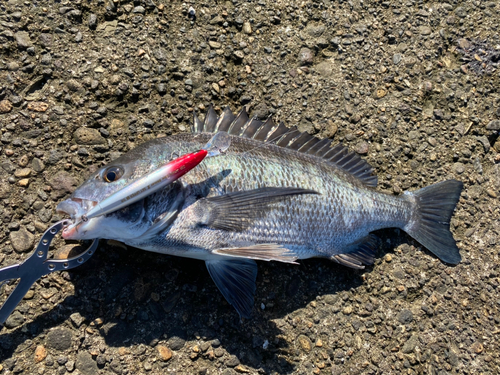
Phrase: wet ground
x=411 y=86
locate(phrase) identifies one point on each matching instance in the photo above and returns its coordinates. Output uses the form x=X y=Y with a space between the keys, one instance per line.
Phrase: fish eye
x=112 y=174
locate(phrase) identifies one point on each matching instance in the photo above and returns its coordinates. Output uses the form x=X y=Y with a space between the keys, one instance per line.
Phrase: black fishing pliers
x=38 y=265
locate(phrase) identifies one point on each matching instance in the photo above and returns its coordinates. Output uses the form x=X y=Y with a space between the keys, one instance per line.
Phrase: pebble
x=361 y=148
x=92 y=21
x=164 y=352
x=214 y=45
x=410 y=345
x=247 y=28
x=459 y=168
x=477 y=347
x=232 y=361
x=139 y=9
x=405 y=316
x=315 y=30
x=21 y=240
x=38 y=106
x=424 y=30
x=176 y=343
x=59 y=339
x=22 y=173
x=380 y=93
x=24 y=182
x=396 y=59
x=305 y=56
x=388 y=258
x=85 y=364
x=493 y=125
x=14 y=320
x=40 y=353
x=88 y=136
x=77 y=319
x=305 y=343
x=73 y=85
x=23 y=39
x=5 y=106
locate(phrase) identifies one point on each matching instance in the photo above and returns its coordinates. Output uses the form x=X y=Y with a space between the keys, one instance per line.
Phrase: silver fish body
x=290 y=197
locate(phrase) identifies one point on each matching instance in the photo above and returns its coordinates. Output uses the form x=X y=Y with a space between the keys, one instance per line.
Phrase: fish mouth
x=75 y=207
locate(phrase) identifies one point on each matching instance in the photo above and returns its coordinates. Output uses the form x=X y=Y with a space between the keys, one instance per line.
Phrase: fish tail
x=430 y=222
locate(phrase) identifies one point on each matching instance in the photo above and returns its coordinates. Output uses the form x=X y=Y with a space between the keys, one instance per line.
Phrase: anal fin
x=235 y=278
x=267 y=252
x=363 y=253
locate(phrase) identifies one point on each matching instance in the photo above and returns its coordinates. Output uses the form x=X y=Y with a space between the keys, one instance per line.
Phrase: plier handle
x=38 y=265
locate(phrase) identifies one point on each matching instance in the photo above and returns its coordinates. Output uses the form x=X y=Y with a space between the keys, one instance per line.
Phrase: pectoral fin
x=237 y=211
x=235 y=279
x=267 y=252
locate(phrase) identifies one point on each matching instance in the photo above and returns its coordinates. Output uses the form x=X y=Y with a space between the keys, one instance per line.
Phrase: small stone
x=59 y=339
x=305 y=56
x=388 y=258
x=380 y=93
x=477 y=347
x=464 y=43
x=361 y=148
x=37 y=165
x=5 y=106
x=176 y=343
x=238 y=55
x=92 y=21
x=14 y=320
x=85 y=364
x=214 y=45
x=459 y=168
x=492 y=125
x=410 y=345
x=305 y=343
x=77 y=319
x=38 y=106
x=139 y=9
x=396 y=59
x=247 y=28
x=347 y=310
x=232 y=361
x=330 y=129
x=24 y=182
x=23 y=39
x=21 y=240
x=73 y=85
x=88 y=136
x=405 y=316
x=164 y=352
x=22 y=173
x=40 y=353
x=491 y=193
x=424 y=30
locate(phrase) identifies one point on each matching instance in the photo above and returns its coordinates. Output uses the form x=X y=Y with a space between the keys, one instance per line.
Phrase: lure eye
x=112 y=174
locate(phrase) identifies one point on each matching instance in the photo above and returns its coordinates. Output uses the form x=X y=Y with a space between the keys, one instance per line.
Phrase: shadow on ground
x=144 y=298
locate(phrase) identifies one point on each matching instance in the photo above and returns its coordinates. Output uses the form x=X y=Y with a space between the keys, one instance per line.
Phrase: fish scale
x=254 y=165
x=290 y=197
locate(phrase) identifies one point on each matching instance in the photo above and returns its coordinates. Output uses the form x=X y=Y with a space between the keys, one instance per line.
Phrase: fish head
x=129 y=222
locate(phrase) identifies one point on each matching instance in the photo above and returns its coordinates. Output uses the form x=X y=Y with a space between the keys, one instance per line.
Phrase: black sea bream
x=276 y=194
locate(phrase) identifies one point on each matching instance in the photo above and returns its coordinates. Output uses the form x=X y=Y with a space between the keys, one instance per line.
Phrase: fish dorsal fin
x=267 y=131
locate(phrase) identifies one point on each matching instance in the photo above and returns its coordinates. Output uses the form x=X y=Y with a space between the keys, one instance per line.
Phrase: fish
x=277 y=194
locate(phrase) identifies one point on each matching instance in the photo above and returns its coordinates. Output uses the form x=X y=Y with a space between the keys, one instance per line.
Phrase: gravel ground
x=413 y=86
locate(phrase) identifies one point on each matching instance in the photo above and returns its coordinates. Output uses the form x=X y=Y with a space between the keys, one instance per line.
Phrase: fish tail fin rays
x=235 y=278
x=430 y=224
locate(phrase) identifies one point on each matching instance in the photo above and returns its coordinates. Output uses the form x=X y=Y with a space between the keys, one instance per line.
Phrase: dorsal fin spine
x=241 y=125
